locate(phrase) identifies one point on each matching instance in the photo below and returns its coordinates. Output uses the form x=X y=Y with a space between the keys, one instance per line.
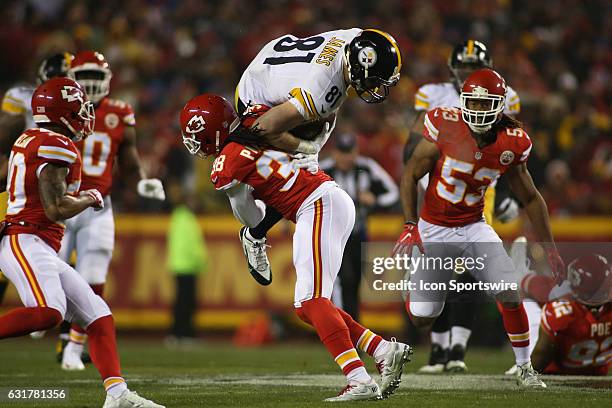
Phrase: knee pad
x=426 y=309
x=93 y=266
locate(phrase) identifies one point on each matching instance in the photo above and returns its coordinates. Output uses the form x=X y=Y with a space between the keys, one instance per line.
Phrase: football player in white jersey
x=451 y=331
x=16 y=116
x=305 y=81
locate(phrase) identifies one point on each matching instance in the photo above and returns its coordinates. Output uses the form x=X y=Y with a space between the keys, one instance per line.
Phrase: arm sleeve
x=556 y=316
x=232 y=166
x=58 y=150
x=127 y=115
x=513 y=103
x=421 y=100
x=525 y=148
x=246 y=209
x=13 y=104
x=304 y=103
x=431 y=132
x=388 y=193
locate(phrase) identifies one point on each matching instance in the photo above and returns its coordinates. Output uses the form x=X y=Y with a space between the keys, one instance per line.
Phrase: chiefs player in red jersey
x=91 y=234
x=43 y=185
x=464 y=151
x=576 y=334
x=254 y=178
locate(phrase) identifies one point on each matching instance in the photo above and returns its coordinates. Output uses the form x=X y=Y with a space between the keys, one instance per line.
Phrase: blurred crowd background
x=555 y=53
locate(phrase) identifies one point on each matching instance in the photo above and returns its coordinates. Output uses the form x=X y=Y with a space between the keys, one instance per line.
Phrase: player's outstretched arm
x=421 y=162
x=129 y=164
x=544 y=351
x=58 y=205
x=521 y=184
x=246 y=209
x=129 y=161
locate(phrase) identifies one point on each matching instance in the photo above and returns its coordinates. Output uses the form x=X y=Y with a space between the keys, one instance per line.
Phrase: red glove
x=556 y=263
x=409 y=237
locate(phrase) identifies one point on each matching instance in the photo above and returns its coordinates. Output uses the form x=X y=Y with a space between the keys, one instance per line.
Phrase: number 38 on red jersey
x=462 y=173
x=270 y=174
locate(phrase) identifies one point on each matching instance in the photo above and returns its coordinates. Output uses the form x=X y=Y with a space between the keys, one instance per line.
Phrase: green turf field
x=292 y=375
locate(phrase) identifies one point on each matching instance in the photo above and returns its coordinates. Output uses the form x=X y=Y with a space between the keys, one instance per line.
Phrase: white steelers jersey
x=431 y=96
x=18 y=101
x=309 y=72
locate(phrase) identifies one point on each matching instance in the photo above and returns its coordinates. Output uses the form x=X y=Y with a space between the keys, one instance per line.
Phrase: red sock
x=332 y=331
x=25 y=320
x=538 y=287
x=363 y=339
x=517 y=328
x=103 y=350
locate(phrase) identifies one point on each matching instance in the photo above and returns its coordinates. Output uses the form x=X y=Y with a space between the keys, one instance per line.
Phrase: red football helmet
x=206 y=122
x=590 y=278
x=63 y=101
x=483 y=97
x=90 y=69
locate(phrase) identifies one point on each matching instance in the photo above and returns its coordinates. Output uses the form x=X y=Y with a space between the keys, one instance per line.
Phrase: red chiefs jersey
x=31 y=152
x=100 y=148
x=460 y=177
x=270 y=174
x=582 y=338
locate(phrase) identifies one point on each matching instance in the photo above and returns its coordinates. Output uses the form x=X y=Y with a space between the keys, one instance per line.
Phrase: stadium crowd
x=554 y=53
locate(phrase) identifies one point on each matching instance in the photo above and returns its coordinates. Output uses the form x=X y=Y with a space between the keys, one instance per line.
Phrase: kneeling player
x=576 y=334
x=324 y=215
x=43 y=186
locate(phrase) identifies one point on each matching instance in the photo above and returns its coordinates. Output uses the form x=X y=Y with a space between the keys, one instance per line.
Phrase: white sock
x=521 y=354
x=442 y=339
x=534 y=315
x=359 y=375
x=115 y=390
x=381 y=350
x=74 y=348
x=460 y=335
x=248 y=235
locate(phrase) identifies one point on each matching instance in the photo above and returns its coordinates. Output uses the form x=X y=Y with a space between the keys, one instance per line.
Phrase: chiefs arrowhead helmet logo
x=72 y=93
x=195 y=125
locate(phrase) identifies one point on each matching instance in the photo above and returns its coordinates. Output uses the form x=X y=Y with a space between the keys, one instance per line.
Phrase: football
x=310 y=130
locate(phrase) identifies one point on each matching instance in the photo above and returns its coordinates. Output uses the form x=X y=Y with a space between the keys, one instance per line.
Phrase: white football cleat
x=129 y=399
x=37 y=335
x=432 y=369
x=527 y=377
x=511 y=370
x=71 y=359
x=357 y=392
x=391 y=366
x=456 y=367
x=257 y=259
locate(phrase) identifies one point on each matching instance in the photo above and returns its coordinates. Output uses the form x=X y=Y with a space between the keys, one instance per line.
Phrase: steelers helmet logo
x=506 y=157
x=111 y=120
x=195 y=124
x=367 y=57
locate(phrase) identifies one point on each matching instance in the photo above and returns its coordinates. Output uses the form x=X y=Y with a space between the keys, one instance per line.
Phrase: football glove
x=151 y=188
x=407 y=240
x=507 y=210
x=310 y=162
x=557 y=266
x=95 y=195
x=316 y=145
